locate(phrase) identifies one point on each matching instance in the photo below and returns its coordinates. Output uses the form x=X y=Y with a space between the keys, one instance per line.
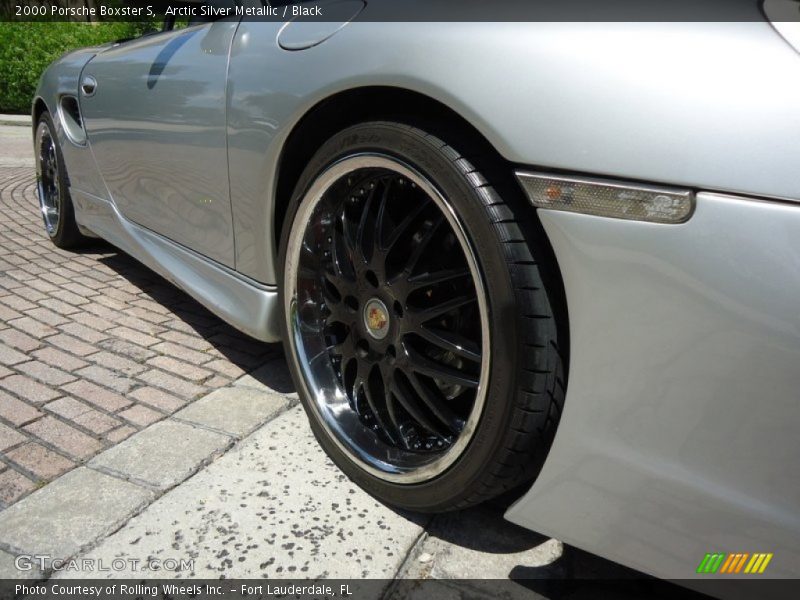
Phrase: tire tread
x=524 y=447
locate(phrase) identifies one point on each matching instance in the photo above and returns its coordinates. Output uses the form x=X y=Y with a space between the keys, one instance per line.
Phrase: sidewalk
x=273 y=506
x=15 y=120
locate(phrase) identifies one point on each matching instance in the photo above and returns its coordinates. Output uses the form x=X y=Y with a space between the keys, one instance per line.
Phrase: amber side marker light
x=608 y=198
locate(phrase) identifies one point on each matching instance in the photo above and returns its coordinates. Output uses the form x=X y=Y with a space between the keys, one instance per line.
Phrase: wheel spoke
x=407 y=399
x=451 y=342
x=426 y=366
x=427 y=235
x=444 y=276
x=342 y=266
x=426 y=314
x=358 y=386
x=437 y=405
x=380 y=220
x=343 y=286
x=334 y=281
x=401 y=228
x=304 y=272
x=383 y=420
x=391 y=411
x=338 y=314
x=348 y=236
x=308 y=253
x=343 y=349
x=362 y=226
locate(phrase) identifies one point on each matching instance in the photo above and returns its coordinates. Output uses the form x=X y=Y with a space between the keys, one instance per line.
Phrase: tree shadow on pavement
x=483 y=528
x=571 y=575
x=246 y=353
x=580 y=575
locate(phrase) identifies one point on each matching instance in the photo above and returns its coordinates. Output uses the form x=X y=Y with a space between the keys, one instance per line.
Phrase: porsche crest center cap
x=376 y=319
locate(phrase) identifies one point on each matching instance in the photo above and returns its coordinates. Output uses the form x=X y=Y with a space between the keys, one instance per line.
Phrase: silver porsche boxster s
x=560 y=260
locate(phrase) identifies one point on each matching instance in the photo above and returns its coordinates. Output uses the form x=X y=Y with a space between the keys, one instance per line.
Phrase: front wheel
x=419 y=331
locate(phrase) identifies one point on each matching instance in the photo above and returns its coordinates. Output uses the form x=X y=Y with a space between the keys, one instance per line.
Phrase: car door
x=154 y=110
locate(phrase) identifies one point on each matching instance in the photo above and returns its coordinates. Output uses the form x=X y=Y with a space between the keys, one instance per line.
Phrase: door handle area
x=89 y=86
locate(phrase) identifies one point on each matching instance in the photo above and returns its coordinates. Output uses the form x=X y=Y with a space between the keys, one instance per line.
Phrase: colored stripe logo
x=734 y=563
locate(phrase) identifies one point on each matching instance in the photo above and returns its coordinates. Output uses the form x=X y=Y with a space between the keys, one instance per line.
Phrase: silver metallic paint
x=699 y=105
x=681 y=427
x=248 y=305
x=157 y=122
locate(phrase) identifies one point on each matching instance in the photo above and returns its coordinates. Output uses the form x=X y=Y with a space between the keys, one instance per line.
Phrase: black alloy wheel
x=390 y=325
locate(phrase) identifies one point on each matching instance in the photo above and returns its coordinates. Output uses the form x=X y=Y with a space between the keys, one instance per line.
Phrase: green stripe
x=714 y=565
x=702 y=567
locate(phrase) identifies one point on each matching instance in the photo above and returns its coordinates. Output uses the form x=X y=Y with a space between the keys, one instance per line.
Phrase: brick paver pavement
x=93 y=347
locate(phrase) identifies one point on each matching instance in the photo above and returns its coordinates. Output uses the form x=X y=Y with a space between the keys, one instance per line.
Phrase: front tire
x=418 y=328
x=53 y=191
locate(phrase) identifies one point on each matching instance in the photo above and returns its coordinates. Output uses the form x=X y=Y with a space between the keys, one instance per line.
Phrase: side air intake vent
x=71 y=120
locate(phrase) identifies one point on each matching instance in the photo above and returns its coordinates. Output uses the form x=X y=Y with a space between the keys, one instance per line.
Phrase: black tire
x=526 y=384
x=64 y=233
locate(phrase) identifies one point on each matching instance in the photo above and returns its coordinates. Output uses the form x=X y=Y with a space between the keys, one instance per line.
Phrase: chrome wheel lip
x=47 y=183
x=321 y=401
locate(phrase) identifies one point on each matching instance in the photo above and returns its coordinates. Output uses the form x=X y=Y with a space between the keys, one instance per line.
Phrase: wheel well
x=357 y=106
x=38 y=108
x=347 y=108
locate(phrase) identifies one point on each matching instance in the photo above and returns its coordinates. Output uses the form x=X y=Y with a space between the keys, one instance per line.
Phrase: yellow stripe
x=753 y=562
x=741 y=562
x=765 y=563
x=758 y=563
x=728 y=562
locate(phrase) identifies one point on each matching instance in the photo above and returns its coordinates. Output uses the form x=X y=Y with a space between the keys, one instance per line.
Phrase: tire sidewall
x=469 y=205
